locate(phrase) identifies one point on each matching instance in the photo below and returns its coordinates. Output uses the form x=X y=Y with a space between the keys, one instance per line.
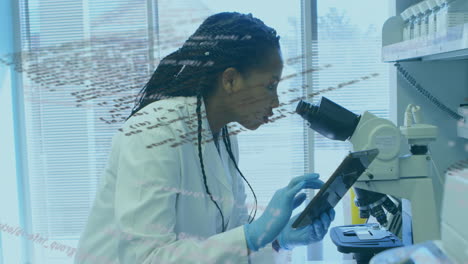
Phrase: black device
x=329 y=119
x=353 y=165
x=347 y=241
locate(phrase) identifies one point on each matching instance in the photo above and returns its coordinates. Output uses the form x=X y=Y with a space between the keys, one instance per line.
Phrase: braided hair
x=223 y=40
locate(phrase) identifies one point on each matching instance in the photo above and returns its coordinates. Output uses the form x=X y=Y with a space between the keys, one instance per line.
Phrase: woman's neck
x=216 y=115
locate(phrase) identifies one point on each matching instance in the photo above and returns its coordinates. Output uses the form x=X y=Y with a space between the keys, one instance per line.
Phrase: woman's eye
x=272 y=86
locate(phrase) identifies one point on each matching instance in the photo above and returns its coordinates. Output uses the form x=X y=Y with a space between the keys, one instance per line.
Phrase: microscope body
x=407 y=176
x=402 y=176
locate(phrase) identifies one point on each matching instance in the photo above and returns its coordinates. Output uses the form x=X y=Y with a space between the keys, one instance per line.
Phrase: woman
x=171 y=193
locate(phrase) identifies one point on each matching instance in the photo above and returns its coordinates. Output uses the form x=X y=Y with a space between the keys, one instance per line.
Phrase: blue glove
x=305 y=235
x=268 y=226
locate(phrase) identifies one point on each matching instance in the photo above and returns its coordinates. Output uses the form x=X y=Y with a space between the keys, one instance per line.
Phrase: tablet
x=354 y=164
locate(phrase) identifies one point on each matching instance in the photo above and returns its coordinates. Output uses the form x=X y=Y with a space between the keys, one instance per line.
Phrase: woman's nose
x=275 y=101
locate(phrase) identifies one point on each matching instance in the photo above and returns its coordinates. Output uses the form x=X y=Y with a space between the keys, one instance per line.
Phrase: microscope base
x=353 y=239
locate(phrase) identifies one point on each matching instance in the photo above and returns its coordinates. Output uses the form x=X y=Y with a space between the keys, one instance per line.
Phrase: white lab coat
x=151 y=205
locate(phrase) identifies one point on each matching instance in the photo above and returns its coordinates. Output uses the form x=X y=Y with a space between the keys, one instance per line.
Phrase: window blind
x=349 y=39
x=80 y=58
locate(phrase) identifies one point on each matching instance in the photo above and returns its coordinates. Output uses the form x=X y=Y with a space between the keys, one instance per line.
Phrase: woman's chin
x=252 y=125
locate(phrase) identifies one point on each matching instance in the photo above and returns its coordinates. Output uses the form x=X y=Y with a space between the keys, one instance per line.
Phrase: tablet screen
x=354 y=164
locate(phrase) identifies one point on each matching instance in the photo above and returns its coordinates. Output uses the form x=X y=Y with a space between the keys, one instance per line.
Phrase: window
x=81 y=62
x=349 y=39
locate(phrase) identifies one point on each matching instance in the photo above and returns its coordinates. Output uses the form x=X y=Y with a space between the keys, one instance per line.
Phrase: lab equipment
x=371 y=203
x=412 y=23
x=457 y=12
x=425 y=11
x=453 y=12
x=431 y=16
x=420 y=20
x=364 y=241
x=353 y=165
x=455 y=215
x=417 y=21
x=405 y=15
x=453 y=248
x=278 y=212
x=408 y=176
x=442 y=24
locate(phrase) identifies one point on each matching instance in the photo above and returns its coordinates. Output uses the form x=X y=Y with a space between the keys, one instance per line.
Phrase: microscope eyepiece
x=329 y=119
x=306 y=108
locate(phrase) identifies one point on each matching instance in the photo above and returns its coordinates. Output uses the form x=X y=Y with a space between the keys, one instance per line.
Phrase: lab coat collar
x=213 y=170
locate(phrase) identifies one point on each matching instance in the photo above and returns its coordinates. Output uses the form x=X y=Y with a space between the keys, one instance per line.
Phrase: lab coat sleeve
x=142 y=202
x=266 y=255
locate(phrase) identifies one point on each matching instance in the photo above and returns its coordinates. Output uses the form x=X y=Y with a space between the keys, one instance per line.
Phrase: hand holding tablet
x=354 y=164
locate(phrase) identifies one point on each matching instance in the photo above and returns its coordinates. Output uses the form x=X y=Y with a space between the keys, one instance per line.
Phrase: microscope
x=453 y=247
x=391 y=177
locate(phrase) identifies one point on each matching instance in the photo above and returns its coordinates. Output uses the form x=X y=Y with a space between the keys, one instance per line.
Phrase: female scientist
x=171 y=193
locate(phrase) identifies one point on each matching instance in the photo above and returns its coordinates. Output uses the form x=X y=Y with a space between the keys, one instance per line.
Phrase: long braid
x=199 y=98
x=247 y=52
x=173 y=78
x=227 y=143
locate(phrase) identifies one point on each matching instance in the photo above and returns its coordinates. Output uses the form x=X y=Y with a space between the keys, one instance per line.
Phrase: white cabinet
x=439 y=64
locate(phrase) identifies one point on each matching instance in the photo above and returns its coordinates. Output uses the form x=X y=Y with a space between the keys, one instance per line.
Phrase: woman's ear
x=230 y=80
